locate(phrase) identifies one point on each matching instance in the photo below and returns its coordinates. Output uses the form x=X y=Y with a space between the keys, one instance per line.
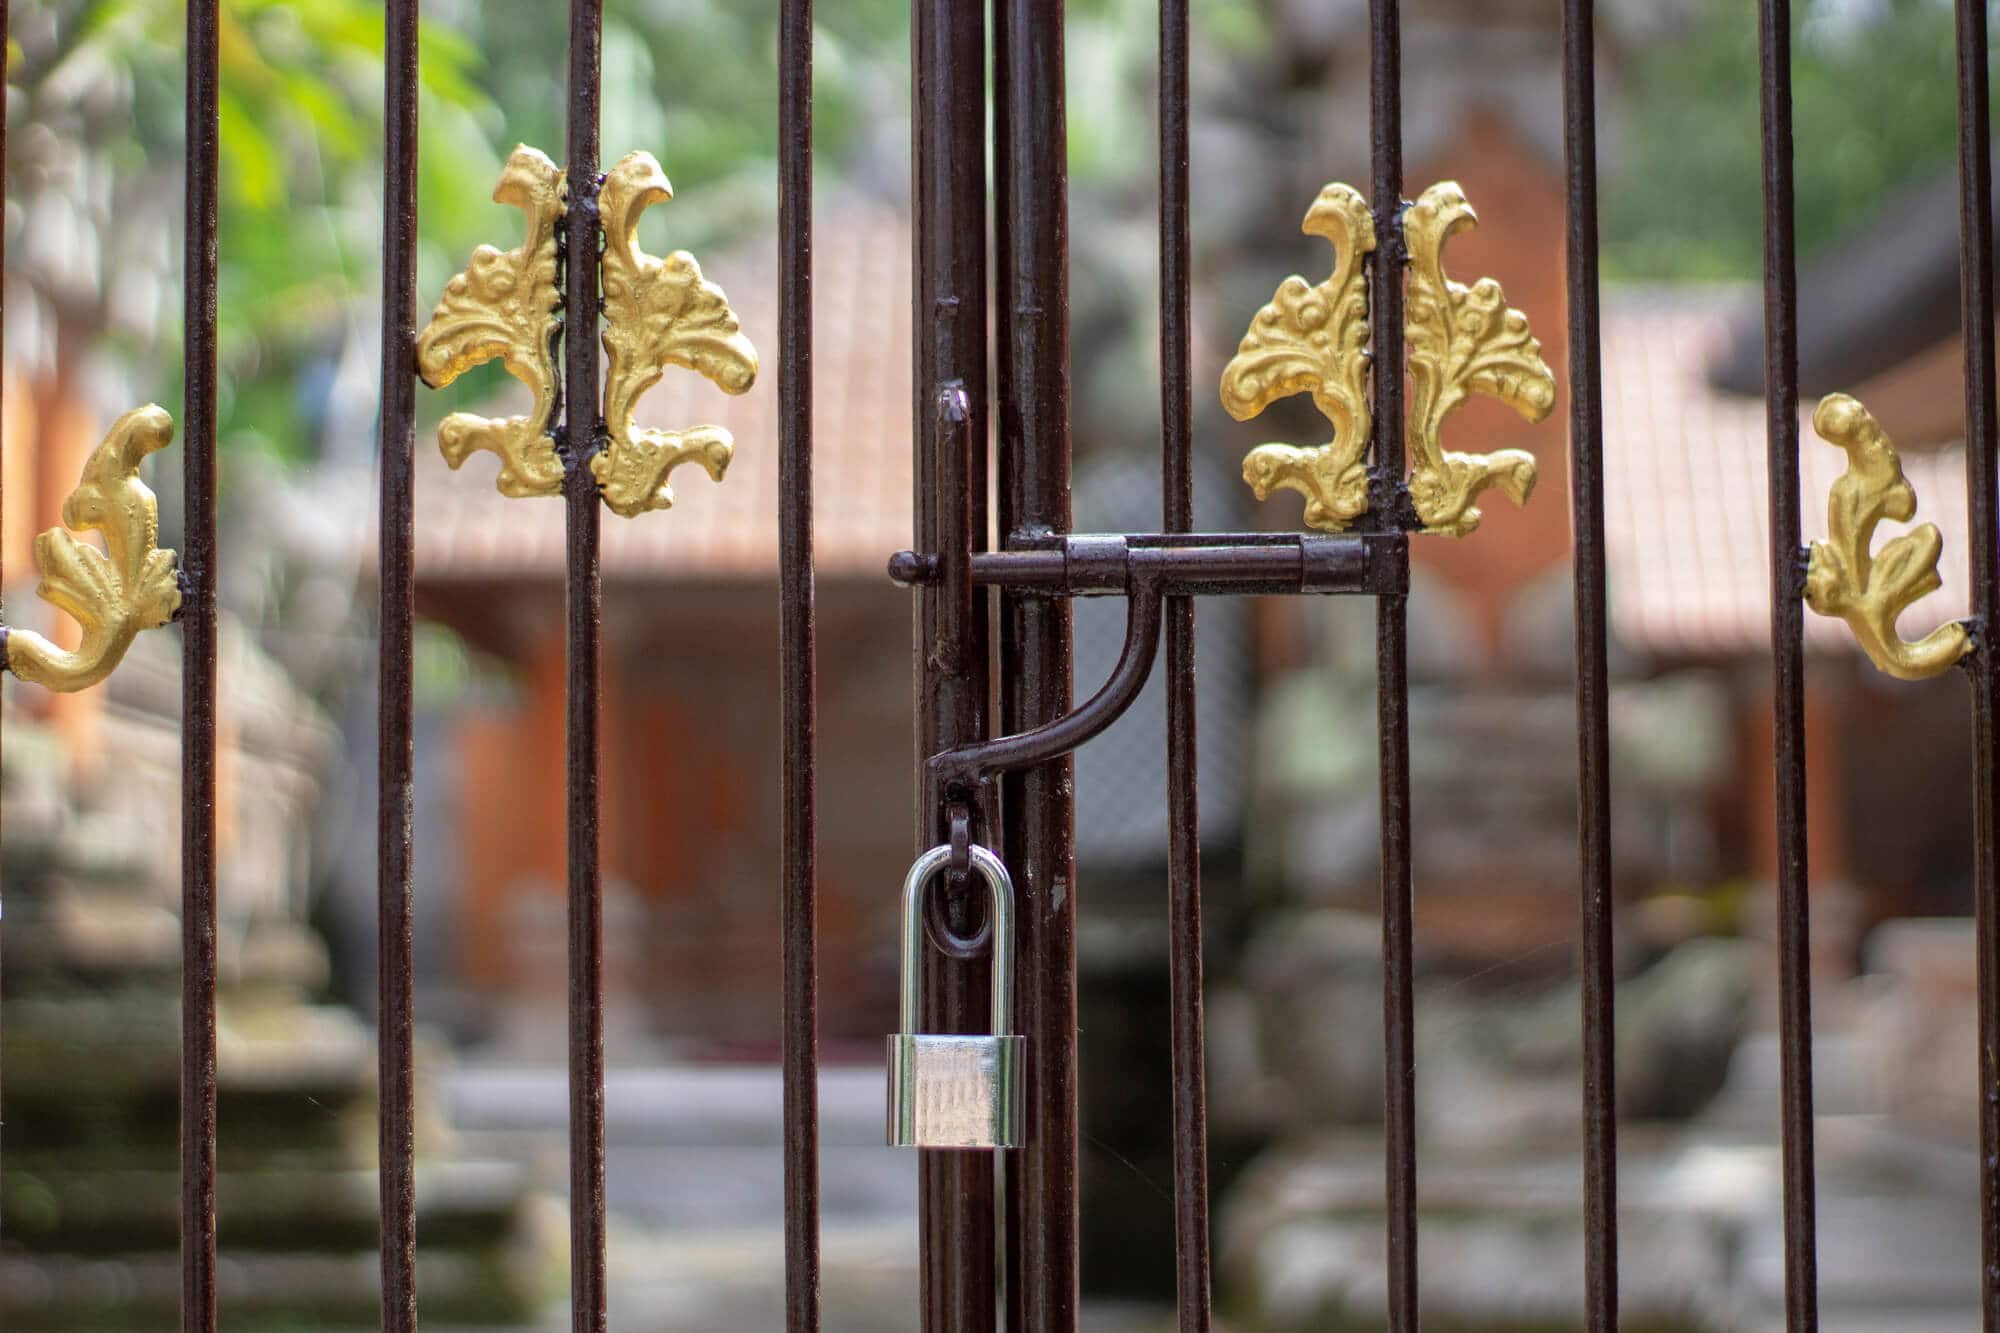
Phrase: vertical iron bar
x=1190 y=1082
x=1781 y=400
x=1593 y=691
x=4 y=47
x=395 y=796
x=582 y=434
x=948 y=194
x=796 y=667
x=198 y=644
x=1975 y=230
x=1385 y=305
x=1031 y=248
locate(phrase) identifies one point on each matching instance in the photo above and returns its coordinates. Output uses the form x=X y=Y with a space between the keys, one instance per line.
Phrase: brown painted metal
x=1031 y=251
x=957 y=926
x=4 y=46
x=1975 y=182
x=582 y=435
x=1182 y=564
x=1781 y=399
x=1187 y=1039
x=396 y=750
x=1593 y=687
x=198 y=679
x=797 y=704
x=966 y=768
x=948 y=192
x=1390 y=511
x=1041 y=566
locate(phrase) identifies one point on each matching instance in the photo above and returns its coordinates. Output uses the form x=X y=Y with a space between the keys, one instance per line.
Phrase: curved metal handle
x=969 y=765
x=1870 y=590
x=130 y=586
x=1000 y=888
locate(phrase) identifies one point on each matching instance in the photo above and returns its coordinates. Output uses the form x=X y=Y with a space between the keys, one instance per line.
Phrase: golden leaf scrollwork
x=1459 y=341
x=1314 y=338
x=506 y=305
x=112 y=594
x=1463 y=340
x=658 y=313
x=1870 y=590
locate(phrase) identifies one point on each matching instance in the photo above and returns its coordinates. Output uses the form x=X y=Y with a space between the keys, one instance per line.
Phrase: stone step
x=695 y=1105
x=45 y=1206
x=695 y=1149
x=501 y=1287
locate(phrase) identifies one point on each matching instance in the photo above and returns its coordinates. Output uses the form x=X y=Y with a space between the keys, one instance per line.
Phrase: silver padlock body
x=955 y=1091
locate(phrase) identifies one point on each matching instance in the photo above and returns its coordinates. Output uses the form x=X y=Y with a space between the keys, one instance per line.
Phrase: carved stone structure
x=89 y=1203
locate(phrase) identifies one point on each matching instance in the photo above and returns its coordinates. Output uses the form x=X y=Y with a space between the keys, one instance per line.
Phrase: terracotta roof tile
x=1684 y=463
x=862 y=474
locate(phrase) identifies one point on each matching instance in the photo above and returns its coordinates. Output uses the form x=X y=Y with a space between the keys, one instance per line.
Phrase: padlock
x=949 y=1091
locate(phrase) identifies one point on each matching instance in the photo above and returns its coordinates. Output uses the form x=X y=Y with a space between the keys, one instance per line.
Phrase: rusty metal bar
x=799 y=828
x=5 y=41
x=396 y=752
x=1031 y=246
x=1975 y=230
x=198 y=671
x=1593 y=689
x=948 y=195
x=1781 y=400
x=957 y=928
x=582 y=435
x=1388 y=503
x=1190 y=1080
x=1184 y=564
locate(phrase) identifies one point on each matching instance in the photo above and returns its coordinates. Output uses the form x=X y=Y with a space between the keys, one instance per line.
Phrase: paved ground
x=694 y=1179
x=1898 y=1210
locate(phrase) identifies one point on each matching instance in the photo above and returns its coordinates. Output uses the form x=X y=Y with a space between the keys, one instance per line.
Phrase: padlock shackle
x=1000 y=891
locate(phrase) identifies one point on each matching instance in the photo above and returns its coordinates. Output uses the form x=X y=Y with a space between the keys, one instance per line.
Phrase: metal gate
x=999 y=1231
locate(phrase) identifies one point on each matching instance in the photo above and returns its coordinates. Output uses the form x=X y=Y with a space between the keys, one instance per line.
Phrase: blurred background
x=89 y=788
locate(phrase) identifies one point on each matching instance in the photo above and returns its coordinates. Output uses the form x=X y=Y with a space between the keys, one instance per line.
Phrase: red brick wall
x=1517 y=193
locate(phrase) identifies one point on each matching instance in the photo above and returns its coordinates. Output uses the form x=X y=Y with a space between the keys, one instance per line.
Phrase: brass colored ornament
x=1314 y=339
x=506 y=305
x=658 y=313
x=1463 y=340
x=1870 y=591
x=129 y=586
x=1460 y=341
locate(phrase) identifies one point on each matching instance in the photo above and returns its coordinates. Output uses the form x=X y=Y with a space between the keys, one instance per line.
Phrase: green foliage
x=300 y=155
x=1874 y=110
x=695 y=83
x=301 y=136
x=1113 y=67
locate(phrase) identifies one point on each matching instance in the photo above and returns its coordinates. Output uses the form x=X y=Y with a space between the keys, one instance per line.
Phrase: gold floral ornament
x=1460 y=341
x=506 y=305
x=1314 y=338
x=1463 y=340
x=1870 y=591
x=113 y=594
x=658 y=313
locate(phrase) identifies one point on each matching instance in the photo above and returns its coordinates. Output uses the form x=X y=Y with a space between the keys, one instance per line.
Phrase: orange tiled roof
x=1684 y=463
x=1685 y=520
x=861 y=477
